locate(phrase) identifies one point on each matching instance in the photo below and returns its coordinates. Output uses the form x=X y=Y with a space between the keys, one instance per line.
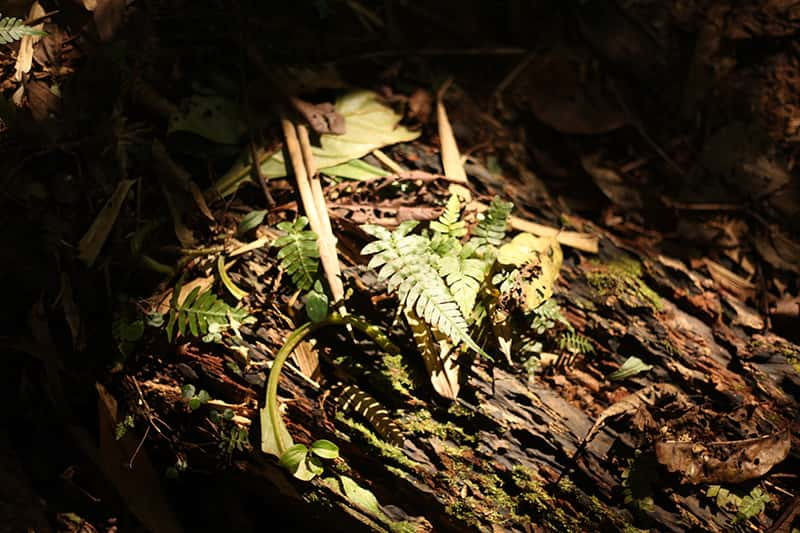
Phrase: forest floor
x=618 y=352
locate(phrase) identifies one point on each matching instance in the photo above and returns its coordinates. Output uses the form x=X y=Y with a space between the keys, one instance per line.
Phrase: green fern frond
x=202 y=314
x=408 y=267
x=575 y=343
x=299 y=253
x=546 y=316
x=12 y=29
x=449 y=223
x=356 y=400
x=464 y=275
x=491 y=230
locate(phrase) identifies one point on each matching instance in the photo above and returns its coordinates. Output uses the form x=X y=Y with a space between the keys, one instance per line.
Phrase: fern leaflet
x=299 y=253
x=491 y=230
x=408 y=267
x=575 y=343
x=354 y=399
x=449 y=222
x=464 y=275
x=202 y=314
x=12 y=29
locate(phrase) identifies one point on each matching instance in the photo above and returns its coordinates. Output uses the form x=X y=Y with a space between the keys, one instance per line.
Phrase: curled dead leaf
x=733 y=461
x=562 y=93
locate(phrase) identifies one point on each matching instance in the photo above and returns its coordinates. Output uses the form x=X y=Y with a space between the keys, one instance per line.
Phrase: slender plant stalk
x=297 y=336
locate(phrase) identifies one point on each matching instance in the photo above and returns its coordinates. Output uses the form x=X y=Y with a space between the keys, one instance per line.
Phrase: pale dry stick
x=330 y=263
x=451 y=157
x=387 y=161
x=327 y=240
x=574 y=239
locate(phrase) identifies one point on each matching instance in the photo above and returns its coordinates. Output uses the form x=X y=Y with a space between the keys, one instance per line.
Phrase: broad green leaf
x=295 y=459
x=325 y=449
x=293 y=456
x=369 y=125
x=272 y=433
x=187 y=392
x=251 y=221
x=362 y=497
x=212 y=117
x=356 y=169
x=314 y=465
x=317 y=305
x=631 y=367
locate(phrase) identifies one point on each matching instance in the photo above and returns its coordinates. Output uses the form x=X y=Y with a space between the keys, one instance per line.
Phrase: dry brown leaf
x=93 y=240
x=731 y=282
x=611 y=183
x=630 y=405
x=778 y=249
x=72 y=313
x=451 y=157
x=42 y=102
x=26 y=44
x=745 y=316
x=322 y=118
x=136 y=481
x=733 y=461
x=108 y=15
x=174 y=173
x=566 y=95
x=437 y=352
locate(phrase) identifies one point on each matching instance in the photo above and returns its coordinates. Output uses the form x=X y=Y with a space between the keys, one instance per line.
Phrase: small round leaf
x=325 y=449
x=294 y=456
x=317 y=306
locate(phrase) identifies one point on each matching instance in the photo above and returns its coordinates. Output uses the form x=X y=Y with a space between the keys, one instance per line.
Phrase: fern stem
x=295 y=338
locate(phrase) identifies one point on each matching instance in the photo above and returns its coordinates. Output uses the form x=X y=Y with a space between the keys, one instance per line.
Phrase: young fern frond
x=407 y=265
x=464 y=275
x=202 y=314
x=12 y=29
x=575 y=343
x=351 y=398
x=546 y=316
x=299 y=253
x=491 y=230
x=450 y=223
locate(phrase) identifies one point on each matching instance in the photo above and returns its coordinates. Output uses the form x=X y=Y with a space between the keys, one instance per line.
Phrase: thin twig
x=298 y=146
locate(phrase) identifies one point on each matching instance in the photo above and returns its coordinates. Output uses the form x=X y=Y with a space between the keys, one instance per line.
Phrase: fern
x=407 y=265
x=752 y=505
x=464 y=275
x=12 y=29
x=575 y=343
x=202 y=314
x=299 y=253
x=546 y=315
x=354 y=399
x=449 y=223
x=491 y=230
